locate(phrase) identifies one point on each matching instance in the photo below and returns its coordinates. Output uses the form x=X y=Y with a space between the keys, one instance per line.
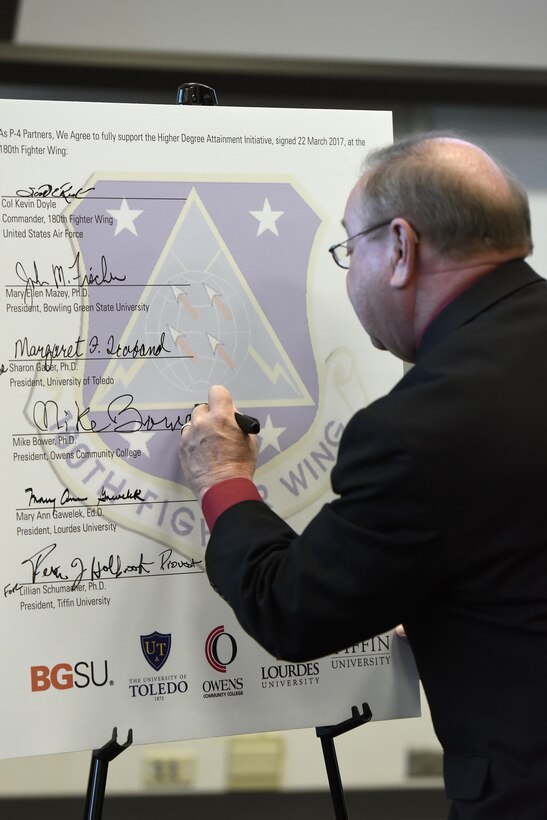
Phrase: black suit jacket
x=439 y=523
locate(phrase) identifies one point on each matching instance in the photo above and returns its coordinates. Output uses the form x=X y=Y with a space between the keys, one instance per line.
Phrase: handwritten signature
x=65 y=191
x=65 y=275
x=43 y=565
x=123 y=417
x=51 y=501
x=128 y=495
x=48 y=353
x=24 y=349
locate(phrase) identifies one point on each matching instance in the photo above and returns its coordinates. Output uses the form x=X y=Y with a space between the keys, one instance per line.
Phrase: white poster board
x=147 y=252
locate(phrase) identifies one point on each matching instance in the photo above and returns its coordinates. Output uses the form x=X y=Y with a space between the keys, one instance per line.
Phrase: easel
x=102 y=757
x=327 y=734
x=97 y=775
x=199 y=94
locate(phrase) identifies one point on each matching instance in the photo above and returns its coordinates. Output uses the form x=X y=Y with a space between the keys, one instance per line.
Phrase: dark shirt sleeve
x=363 y=564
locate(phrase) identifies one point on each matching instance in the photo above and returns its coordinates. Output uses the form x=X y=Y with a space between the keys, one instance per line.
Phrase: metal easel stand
x=98 y=772
x=327 y=734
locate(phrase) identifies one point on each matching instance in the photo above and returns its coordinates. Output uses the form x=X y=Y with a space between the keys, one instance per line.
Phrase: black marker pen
x=247 y=423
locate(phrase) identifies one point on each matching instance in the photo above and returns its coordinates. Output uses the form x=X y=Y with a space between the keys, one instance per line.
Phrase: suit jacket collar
x=482 y=294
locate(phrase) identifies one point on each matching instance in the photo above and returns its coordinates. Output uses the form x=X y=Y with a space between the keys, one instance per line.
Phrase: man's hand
x=212 y=447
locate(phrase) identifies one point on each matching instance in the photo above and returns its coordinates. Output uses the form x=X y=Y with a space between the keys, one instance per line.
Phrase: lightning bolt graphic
x=118 y=373
x=272 y=373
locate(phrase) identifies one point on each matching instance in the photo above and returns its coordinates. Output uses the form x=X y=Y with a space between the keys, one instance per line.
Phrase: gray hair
x=455 y=211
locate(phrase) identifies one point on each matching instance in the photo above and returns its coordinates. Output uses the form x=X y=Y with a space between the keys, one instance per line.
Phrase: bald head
x=460 y=158
x=459 y=200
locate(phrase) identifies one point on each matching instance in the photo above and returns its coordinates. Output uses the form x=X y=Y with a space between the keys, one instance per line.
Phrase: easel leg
x=98 y=772
x=96 y=789
x=327 y=734
x=333 y=775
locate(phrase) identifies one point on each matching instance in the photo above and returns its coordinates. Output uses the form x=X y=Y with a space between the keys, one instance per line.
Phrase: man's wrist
x=225 y=494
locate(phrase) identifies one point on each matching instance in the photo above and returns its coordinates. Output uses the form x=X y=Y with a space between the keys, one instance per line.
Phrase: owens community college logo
x=155 y=648
x=220 y=649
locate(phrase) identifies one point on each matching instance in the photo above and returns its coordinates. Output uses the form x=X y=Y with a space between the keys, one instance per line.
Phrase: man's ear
x=404 y=253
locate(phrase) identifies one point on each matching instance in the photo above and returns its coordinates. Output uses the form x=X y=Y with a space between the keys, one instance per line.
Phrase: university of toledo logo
x=155 y=648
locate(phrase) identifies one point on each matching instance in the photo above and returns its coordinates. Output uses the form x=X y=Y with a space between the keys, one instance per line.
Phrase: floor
x=400 y=804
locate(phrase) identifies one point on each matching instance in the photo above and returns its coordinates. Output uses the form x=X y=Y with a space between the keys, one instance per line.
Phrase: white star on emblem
x=125 y=218
x=269 y=435
x=143 y=437
x=267 y=218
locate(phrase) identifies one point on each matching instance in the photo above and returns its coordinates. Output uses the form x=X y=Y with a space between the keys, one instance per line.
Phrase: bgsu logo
x=65 y=676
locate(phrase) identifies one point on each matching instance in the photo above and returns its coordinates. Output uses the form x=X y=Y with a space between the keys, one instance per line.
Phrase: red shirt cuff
x=225 y=494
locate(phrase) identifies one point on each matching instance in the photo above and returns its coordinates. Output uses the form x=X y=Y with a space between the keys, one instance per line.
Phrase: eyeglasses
x=340 y=251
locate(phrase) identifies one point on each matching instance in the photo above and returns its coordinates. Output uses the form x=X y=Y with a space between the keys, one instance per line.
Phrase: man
x=439 y=520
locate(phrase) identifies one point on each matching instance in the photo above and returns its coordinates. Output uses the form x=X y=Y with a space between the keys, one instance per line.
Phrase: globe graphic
x=208 y=335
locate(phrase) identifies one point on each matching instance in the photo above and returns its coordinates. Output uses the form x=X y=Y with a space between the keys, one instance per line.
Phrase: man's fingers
x=219 y=403
x=220 y=400
x=200 y=409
